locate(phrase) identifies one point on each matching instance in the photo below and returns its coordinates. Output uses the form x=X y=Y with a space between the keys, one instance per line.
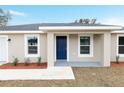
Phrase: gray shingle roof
x=30 y=27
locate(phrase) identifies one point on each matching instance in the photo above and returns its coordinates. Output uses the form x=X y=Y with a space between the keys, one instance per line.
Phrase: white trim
x=117 y=52
x=68 y=48
x=122 y=31
x=91 y=46
x=55 y=48
x=67 y=45
x=80 y=27
x=18 y=32
x=7 y=52
x=25 y=45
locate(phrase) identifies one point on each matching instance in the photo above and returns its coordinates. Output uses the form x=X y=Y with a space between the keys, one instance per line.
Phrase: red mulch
x=114 y=64
x=23 y=66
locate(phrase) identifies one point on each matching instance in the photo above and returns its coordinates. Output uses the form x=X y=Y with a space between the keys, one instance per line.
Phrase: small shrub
x=27 y=61
x=117 y=59
x=39 y=61
x=15 y=62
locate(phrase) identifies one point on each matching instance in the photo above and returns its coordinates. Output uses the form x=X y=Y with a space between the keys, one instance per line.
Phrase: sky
x=59 y=14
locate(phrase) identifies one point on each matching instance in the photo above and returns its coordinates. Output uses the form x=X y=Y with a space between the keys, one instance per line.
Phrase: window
x=121 y=45
x=32 y=45
x=85 y=45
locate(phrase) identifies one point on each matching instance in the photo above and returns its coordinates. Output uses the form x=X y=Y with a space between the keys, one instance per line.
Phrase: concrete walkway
x=37 y=74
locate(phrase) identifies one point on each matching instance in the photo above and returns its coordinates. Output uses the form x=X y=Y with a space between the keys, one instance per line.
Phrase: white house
x=63 y=43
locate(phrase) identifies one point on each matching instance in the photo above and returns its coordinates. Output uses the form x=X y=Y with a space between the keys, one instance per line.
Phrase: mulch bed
x=114 y=64
x=23 y=66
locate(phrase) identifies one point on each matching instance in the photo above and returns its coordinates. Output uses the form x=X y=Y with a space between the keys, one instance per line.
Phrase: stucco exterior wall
x=16 y=48
x=113 y=47
x=73 y=49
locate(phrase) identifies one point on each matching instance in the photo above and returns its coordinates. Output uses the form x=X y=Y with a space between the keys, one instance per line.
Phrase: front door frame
x=6 y=36
x=67 y=46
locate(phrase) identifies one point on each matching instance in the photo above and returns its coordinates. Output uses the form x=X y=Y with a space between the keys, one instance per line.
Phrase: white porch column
x=106 y=49
x=50 y=49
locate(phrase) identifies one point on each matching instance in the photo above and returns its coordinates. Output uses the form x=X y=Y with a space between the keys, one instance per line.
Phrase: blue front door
x=61 y=47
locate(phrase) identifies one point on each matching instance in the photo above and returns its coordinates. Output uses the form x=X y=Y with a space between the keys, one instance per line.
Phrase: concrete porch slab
x=77 y=64
x=52 y=73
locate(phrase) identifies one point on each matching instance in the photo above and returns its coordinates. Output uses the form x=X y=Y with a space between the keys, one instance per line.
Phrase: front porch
x=99 y=51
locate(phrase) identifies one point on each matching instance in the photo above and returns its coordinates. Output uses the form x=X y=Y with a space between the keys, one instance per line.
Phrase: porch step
x=78 y=64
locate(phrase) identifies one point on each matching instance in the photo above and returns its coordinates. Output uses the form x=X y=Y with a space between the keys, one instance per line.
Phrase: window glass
x=84 y=49
x=84 y=40
x=121 y=49
x=85 y=45
x=32 y=50
x=32 y=45
x=121 y=40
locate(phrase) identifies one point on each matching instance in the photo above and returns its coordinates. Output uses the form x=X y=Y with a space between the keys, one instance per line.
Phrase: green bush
x=39 y=61
x=117 y=59
x=15 y=62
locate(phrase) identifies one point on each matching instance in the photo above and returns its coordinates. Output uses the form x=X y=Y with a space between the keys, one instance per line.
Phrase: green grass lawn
x=91 y=77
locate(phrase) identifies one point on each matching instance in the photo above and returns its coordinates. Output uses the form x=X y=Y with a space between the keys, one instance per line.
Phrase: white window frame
x=91 y=46
x=122 y=55
x=26 y=45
